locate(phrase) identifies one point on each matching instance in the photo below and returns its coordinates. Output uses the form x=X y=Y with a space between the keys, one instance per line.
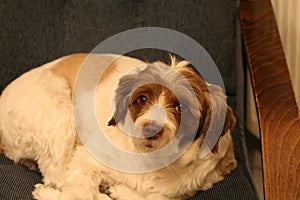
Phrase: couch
x=35 y=32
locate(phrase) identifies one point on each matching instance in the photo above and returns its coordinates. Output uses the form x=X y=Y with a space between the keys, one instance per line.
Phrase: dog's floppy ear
x=218 y=98
x=122 y=98
x=218 y=110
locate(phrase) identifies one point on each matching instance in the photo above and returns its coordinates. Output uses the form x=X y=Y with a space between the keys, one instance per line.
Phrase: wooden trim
x=278 y=114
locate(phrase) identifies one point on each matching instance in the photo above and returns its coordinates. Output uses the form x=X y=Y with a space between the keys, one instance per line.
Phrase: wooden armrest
x=278 y=114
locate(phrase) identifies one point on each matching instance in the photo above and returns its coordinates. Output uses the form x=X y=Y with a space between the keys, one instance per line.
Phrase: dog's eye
x=142 y=100
x=181 y=108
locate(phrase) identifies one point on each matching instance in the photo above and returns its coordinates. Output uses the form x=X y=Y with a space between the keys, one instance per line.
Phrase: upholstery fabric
x=39 y=31
x=35 y=32
x=17 y=182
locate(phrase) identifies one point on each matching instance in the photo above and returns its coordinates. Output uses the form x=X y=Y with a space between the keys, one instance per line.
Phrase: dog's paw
x=102 y=197
x=206 y=186
x=75 y=196
x=122 y=192
x=44 y=192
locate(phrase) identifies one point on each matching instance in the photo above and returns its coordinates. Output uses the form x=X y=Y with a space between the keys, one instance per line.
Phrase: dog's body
x=37 y=123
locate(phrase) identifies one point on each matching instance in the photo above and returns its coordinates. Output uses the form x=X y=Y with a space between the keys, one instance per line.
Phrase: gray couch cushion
x=39 y=31
x=17 y=182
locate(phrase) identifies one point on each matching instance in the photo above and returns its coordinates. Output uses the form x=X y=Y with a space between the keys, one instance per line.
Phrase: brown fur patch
x=68 y=67
x=30 y=164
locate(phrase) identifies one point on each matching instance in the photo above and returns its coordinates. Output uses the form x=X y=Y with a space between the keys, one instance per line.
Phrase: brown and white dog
x=159 y=103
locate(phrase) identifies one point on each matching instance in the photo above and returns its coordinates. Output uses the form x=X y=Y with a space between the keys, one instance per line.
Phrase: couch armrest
x=278 y=113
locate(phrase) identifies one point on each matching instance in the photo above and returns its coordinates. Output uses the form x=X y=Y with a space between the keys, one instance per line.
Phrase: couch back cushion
x=34 y=33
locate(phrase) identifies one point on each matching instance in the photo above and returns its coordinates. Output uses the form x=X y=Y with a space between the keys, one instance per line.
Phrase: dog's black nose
x=151 y=129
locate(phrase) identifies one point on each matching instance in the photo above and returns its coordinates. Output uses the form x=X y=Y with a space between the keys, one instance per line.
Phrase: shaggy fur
x=37 y=124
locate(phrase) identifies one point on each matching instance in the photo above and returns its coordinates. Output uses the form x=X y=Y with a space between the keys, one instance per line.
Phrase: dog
x=154 y=105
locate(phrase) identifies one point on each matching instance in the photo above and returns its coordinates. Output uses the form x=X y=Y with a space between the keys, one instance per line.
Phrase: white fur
x=37 y=123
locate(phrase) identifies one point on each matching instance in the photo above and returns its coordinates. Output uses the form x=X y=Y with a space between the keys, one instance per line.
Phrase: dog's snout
x=152 y=129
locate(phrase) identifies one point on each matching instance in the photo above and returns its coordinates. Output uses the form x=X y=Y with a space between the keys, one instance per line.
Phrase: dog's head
x=163 y=101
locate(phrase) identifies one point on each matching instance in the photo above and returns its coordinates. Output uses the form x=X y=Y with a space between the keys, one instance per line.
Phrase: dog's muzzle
x=153 y=130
